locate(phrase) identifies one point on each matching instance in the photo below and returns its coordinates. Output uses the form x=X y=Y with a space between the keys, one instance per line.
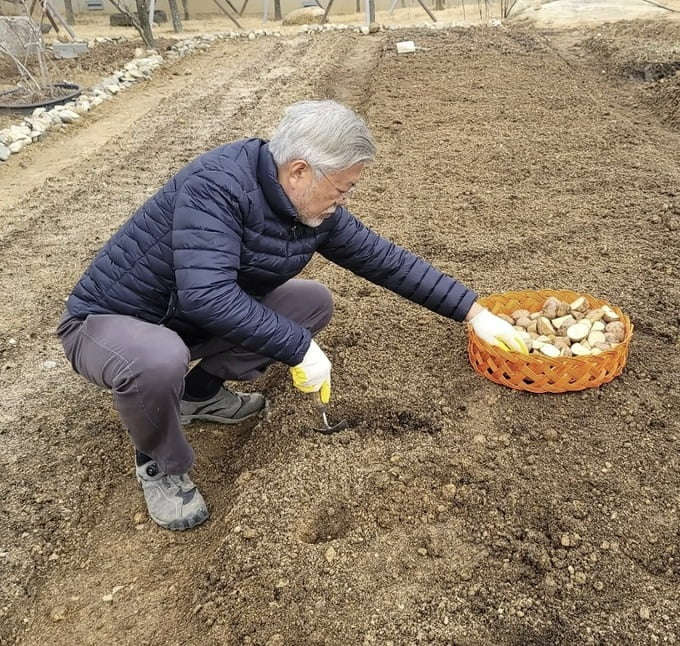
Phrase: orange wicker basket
x=539 y=373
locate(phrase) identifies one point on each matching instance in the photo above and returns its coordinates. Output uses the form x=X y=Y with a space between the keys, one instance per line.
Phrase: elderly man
x=205 y=270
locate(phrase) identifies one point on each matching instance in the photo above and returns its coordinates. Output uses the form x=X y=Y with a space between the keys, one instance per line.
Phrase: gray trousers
x=144 y=365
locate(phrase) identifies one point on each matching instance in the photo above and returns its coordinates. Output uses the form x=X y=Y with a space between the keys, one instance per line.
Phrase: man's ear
x=297 y=170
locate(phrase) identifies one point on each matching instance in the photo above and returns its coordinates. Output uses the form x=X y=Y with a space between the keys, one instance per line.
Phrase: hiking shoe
x=173 y=502
x=226 y=407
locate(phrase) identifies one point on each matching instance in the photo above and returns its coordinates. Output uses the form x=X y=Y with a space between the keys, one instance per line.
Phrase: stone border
x=36 y=127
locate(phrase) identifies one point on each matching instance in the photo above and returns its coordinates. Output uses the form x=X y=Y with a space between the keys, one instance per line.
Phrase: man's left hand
x=495 y=331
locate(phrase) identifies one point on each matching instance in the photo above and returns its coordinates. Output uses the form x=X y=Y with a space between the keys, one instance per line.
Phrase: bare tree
x=483 y=6
x=145 y=23
x=506 y=7
x=176 y=20
x=34 y=84
x=139 y=19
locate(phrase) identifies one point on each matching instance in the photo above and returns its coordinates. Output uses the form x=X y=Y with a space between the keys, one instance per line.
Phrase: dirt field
x=454 y=511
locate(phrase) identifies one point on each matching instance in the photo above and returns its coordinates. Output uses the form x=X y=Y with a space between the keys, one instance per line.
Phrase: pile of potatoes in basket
x=563 y=329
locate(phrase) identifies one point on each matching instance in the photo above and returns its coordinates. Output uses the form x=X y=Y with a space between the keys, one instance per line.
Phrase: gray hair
x=325 y=134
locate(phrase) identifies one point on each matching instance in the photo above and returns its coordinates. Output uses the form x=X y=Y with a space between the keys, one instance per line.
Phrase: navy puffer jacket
x=221 y=234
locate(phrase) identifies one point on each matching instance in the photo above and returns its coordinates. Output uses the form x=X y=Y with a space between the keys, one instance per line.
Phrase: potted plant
x=23 y=45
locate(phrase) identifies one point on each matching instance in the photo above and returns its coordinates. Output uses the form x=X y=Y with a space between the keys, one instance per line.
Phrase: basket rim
x=487 y=301
x=546 y=374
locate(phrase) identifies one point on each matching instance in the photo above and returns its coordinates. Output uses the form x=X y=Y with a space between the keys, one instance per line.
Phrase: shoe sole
x=187 y=419
x=184 y=524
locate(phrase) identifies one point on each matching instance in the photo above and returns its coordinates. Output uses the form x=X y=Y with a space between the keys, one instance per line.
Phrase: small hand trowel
x=323 y=409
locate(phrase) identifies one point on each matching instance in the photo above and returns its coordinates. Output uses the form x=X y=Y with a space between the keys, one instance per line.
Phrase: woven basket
x=539 y=373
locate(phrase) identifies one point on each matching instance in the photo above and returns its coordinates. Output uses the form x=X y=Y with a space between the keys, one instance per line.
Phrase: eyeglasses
x=343 y=194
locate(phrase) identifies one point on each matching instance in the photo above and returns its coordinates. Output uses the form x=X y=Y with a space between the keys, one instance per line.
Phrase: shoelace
x=182 y=482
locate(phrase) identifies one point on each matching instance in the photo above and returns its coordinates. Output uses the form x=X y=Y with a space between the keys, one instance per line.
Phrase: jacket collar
x=267 y=177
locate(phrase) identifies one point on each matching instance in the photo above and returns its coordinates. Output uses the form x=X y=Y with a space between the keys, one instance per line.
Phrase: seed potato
x=550 y=307
x=568 y=329
x=518 y=314
x=617 y=329
x=544 y=326
x=524 y=322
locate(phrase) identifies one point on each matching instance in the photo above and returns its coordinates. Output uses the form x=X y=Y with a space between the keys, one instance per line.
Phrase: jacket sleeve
x=206 y=240
x=354 y=246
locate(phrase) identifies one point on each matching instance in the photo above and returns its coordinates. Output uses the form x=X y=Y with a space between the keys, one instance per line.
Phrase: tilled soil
x=454 y=511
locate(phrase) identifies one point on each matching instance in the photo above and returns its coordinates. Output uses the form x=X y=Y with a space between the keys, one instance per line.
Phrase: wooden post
x=53 y=15
x=325 y=13
x=427 y=11
x=393 y=6
x=233 y=8
x=223 y=10
x=53 y=22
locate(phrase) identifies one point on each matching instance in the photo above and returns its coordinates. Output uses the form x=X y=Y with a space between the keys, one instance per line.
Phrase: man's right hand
x=314 y=373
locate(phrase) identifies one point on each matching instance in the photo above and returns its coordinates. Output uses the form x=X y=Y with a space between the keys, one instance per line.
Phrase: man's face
x=316 y=198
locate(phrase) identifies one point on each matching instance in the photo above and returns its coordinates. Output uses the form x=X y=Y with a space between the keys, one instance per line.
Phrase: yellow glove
x=495 y=331
x=314 y=373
